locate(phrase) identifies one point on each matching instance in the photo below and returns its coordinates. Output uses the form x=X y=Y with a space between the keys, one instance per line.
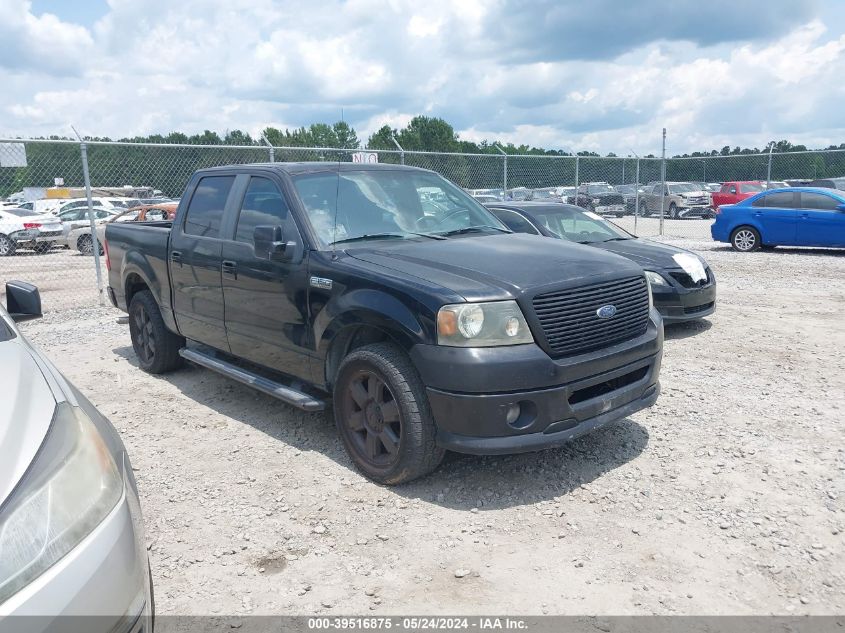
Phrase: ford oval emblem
x=605 y=312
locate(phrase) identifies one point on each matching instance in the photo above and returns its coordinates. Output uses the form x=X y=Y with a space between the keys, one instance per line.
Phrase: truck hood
x=26 y=410
x=495 y=267
x=646 y=253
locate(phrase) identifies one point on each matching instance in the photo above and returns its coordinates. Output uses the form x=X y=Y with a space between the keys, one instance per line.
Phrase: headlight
x=69 y=489
x=655 y=279
x=482 y=325
x=596 y=200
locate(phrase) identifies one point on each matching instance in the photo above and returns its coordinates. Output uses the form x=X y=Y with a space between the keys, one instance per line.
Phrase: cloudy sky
x=604 y=75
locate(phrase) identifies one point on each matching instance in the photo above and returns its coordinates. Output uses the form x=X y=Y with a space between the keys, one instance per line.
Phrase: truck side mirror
x=269 y=244
x=22 y=301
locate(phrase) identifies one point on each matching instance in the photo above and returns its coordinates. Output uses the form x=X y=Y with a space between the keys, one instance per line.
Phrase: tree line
x=168 y=168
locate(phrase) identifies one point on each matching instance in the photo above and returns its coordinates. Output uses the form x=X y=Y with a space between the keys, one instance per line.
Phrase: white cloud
x=154 y=66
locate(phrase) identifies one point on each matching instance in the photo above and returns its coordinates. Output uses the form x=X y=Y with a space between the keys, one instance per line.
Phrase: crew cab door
x=265 y=294
x=777 y=217
x=195 y=256
x=820 y=222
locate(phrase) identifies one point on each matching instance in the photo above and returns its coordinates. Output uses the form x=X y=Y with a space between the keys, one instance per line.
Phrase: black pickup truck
x=395 y=296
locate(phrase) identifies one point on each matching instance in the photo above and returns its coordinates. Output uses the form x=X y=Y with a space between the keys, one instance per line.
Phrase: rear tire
x=156 y=347
x=745 y=239
x=85 y=245
x=383 y=415
x=7 y=246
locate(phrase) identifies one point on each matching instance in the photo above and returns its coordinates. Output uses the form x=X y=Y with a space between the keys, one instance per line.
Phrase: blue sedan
x=794 y=216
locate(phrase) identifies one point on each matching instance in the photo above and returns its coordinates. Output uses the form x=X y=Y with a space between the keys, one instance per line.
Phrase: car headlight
x=655 y=279
x=71 y=486
x=486 y=324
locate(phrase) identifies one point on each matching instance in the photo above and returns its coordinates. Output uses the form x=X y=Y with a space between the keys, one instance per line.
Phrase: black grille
x=571 y=324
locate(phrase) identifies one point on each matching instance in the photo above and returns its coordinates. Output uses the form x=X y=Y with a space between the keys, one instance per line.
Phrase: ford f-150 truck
x=425 y=329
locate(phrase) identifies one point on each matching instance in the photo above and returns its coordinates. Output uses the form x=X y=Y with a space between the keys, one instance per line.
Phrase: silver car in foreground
x=71 y=535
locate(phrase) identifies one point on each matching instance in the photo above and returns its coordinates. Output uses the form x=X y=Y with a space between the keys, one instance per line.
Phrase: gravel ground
x=725 y=497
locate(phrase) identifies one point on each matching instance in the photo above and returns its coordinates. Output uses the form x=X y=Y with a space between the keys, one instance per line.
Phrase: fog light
x=513 y=413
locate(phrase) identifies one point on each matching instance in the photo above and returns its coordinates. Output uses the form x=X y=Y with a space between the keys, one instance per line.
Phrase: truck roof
x=316 y=166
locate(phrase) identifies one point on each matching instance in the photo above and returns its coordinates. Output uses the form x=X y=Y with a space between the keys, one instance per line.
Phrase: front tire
x=156 y=347
x=7 y=246
x=644 y=210
x=673 y=211
x=383 y=415
x=745 y=239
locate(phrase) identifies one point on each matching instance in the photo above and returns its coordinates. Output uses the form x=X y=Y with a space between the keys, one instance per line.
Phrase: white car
x=57 y=206
x=71 y=531
x=20 y=228
x=77 y=218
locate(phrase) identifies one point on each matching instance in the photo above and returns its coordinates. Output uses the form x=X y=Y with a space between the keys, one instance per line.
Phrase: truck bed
x=143 y=247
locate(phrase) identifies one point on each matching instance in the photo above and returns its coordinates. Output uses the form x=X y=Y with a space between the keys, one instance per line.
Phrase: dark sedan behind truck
x=426 y=328
x=682 y=284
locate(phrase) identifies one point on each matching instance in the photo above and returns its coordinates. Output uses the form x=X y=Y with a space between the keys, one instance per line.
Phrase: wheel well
x=744 y=226
x=348 y=340
x=134 y=284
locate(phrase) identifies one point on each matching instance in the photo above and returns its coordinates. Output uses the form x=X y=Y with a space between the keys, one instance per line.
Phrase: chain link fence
x=34 y=172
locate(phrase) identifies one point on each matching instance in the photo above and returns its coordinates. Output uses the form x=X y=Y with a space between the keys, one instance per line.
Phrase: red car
x=736 y=190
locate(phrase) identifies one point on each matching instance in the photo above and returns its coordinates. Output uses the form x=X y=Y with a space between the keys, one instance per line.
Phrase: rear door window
x=777 y=200
x=205 y=212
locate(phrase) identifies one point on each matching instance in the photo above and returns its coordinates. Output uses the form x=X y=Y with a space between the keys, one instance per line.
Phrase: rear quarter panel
x=138 y=252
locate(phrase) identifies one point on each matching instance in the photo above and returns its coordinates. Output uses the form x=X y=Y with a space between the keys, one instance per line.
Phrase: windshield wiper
x=384 y=236
x=474 y=229
x=617 y=239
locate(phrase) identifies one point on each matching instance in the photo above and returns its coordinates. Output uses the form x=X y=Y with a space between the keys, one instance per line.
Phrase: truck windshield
x=349 y=206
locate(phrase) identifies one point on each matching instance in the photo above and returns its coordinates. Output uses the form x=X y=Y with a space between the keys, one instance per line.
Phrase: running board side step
x=272 y=388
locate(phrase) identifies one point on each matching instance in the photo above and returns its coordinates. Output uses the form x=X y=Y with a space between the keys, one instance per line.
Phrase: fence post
x=637 y=195
x=399 y=147
x=95 y=240
x=504 y=171
x=769 y=170
x=577 y=165
x=662 y=180
x=270 y=147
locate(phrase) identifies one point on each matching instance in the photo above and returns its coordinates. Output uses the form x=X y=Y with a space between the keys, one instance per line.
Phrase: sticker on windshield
x=692 y=265
x=595 y=216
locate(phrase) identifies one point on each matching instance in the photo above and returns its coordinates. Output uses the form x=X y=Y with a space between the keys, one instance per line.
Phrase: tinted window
x=207 y=204
x=818 y=201
x=263 y=205
x=514 y=221
x=777 y=200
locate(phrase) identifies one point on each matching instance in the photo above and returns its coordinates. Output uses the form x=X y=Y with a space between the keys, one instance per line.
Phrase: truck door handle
x=230 y=268
x=176 y=257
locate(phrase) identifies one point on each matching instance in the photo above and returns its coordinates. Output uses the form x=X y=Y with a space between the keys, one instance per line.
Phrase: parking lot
x=725 y=497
